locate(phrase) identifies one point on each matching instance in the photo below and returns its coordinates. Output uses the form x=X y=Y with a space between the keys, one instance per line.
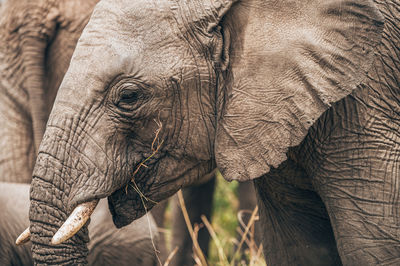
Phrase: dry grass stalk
x=257 y=258
x=197 y=250
x=196 y=229
x=170 y=256
x=140 y=193
x=249 y=239
x=156 y=251
x=247 y=236
x=217 y=242
x=251 y=223
x=143 y=164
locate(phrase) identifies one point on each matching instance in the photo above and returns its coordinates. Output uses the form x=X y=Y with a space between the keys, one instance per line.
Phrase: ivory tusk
x=75 y=221
x=23 y=238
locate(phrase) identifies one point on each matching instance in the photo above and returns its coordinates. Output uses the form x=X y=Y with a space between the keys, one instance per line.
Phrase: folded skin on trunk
x=71 y=252
x=67 y=172
x=48 y=212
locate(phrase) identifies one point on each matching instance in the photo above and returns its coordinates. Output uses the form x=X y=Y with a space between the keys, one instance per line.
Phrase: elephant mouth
x=126 y=205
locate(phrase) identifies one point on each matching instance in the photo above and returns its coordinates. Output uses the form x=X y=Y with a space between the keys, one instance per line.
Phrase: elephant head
x=158 y=93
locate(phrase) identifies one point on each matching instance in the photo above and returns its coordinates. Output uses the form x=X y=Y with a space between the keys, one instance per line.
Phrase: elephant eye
x=128 y=97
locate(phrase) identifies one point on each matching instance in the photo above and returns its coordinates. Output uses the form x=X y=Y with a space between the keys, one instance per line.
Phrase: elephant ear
x=289 y=62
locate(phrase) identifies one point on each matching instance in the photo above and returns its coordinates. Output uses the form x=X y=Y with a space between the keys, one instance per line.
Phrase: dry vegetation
x=226 y=248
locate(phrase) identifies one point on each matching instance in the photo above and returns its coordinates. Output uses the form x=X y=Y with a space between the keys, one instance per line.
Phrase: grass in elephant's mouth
x=154 y=149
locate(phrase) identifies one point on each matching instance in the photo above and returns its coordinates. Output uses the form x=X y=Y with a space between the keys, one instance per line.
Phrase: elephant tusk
x=23 y=238
x=75 y=221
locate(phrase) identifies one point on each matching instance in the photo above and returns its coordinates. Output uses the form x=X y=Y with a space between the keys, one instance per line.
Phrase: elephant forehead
x=124 y=39
x=151 y=22
x=102 y=63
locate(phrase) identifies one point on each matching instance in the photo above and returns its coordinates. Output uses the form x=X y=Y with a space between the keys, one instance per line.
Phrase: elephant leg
x=295 y=224
x=365 y=216
x=158 y=213
x=198 y=201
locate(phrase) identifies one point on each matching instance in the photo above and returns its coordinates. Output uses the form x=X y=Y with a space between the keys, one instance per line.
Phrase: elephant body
x=299 y=96
x=337 y=189
x=132 y=245
x=14 y=202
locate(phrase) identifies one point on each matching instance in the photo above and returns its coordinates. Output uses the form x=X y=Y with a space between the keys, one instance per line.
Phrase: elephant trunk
x=34 y=64
x=69 y=173
x=46 y=216
x=49 y=209
x=34 y=45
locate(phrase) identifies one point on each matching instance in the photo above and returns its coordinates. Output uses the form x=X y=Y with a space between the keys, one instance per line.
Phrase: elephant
x=299 y=96
x=35 y=57
x=107 y=245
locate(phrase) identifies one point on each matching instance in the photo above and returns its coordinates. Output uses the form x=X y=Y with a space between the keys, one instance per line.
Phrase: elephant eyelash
x=128 y=96
x=129 y=99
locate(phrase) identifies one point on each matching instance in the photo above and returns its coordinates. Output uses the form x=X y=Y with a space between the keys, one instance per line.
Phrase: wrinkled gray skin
x=107 y=246
x=37 y=41
x=34 y=59
x=242 y=87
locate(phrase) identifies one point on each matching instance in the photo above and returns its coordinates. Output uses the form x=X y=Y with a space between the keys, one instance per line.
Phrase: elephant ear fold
x=294 y=59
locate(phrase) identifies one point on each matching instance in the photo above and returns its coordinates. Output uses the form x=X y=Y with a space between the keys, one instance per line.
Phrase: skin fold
x=107 y=245
x=287 y=93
